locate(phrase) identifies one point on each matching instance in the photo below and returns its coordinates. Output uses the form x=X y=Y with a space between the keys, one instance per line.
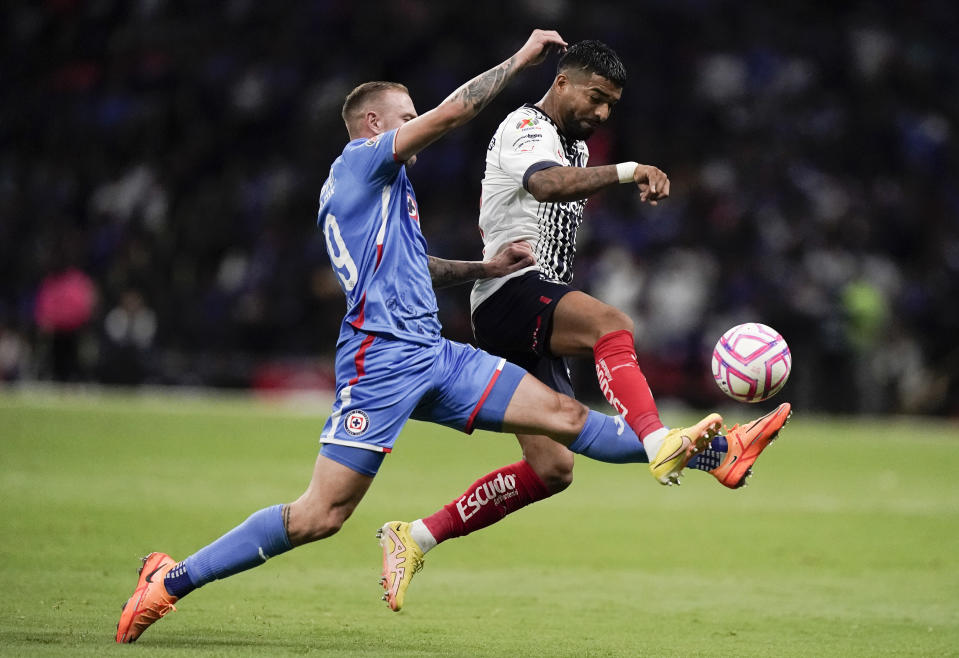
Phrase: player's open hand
x=652 y=182
x=538 y=45
x=514 y=256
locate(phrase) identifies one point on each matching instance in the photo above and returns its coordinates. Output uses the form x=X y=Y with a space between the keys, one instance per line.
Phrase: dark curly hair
x=594 y=57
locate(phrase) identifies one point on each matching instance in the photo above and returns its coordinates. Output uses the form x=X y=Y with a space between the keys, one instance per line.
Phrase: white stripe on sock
x=421 y=535
x=654 y=441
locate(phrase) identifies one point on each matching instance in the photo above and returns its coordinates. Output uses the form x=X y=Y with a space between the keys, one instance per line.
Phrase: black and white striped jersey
x=524 y=143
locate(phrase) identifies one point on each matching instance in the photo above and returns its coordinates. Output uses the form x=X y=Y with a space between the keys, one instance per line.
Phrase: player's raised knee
x=537 y=409
x=612 y=319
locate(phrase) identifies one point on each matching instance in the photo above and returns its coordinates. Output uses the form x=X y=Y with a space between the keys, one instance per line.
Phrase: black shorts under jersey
x=516 y=323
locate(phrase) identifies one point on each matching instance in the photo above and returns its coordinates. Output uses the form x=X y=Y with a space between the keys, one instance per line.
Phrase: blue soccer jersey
x=369 y=216
x=391 y=362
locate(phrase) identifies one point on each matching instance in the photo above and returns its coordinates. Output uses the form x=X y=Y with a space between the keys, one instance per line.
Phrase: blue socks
x=177 y=581
x=712 y=456
x=263 y=535
x=609 y=439
x=248 y=545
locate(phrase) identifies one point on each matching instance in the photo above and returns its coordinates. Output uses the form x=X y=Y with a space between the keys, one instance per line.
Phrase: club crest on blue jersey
x=356 y=422
x=411 y=207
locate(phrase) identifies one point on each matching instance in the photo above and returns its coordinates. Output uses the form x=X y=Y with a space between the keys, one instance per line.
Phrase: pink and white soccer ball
x=751 y=362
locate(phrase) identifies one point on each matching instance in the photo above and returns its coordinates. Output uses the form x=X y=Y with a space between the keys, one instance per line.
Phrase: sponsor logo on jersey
x=356 y=422
x=527 y=123
x=411 y=207
x=500 y=488
x=528 y=137
x=527 y=142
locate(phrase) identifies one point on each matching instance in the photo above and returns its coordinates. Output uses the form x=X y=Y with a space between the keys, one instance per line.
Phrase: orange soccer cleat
x=150 y=600
x=746 y=443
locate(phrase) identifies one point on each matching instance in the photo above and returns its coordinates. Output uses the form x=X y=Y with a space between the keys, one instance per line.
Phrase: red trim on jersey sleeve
x=396 y=159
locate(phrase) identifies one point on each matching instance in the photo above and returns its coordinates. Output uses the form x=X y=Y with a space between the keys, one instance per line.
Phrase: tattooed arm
x=515 y=256
x=467 y=101
x=444 y=273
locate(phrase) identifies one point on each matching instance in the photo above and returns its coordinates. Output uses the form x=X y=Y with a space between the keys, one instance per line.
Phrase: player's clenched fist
x=538 y=45
x=653 y=183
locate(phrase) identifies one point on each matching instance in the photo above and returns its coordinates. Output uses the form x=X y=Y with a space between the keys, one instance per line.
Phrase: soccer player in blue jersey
x=392 y=363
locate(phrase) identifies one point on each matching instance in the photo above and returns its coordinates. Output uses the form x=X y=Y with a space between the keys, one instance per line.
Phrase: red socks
x=488 y=500
x=513 y=487
x=623 y=383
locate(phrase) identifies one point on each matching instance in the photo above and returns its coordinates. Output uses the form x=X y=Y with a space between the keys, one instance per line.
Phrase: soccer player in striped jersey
x=534 y=190
x=392 y=364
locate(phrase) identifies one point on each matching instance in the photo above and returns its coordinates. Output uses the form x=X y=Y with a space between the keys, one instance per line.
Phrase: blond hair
x=354 y=107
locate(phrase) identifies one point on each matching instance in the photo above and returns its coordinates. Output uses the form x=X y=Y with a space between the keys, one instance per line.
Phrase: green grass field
x=845 y=544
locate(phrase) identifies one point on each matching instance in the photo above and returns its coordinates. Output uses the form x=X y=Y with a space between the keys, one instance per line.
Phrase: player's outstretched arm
x=576 y=183
x=515 y=256
x=467 y=101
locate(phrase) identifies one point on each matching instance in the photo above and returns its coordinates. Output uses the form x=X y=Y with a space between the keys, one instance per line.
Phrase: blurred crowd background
x=161 y=160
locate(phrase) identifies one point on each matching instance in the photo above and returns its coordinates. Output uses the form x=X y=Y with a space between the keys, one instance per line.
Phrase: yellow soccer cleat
x=746 y=443
x=402 y=557
x=150 y=600
x=680 y=445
